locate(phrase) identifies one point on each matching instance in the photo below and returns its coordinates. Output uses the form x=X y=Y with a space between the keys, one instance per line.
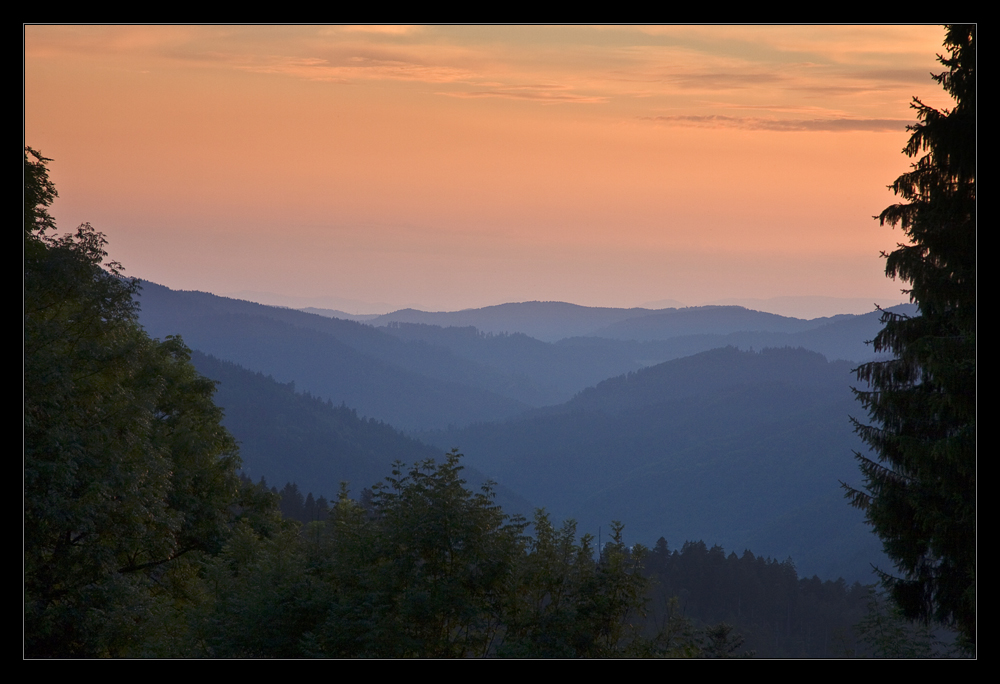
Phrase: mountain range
x=716 y=422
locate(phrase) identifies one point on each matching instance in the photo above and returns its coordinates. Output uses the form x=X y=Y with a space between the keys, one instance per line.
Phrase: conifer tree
x=919 y=490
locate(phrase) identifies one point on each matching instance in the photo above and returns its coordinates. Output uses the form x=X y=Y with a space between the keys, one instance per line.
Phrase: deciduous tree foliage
x=424 y=567
x=126 y=466
x=920 y=487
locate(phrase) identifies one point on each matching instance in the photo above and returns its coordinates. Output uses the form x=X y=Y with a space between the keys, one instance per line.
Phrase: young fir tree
x=920 y=487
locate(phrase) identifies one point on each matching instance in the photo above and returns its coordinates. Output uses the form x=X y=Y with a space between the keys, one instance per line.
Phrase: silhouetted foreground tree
x=126 y=467
x=920 y=490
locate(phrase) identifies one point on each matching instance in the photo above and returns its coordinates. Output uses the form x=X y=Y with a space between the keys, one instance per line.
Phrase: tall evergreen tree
x=920 y=487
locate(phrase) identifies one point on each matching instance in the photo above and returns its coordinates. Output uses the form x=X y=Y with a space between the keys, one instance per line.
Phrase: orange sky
x=451 y=167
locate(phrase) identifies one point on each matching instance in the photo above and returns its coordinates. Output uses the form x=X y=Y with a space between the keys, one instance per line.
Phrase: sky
x=446 y=167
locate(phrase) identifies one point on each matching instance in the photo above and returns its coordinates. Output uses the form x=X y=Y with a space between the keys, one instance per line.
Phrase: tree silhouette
x=920 y=488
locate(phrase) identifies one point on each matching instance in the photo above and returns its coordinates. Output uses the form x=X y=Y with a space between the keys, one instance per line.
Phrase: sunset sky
x=444 y=167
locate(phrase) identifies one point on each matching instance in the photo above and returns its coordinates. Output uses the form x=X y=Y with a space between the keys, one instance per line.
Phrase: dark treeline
x=418 y=566
x=778 y=614
x=294 y=506
x=696 y=600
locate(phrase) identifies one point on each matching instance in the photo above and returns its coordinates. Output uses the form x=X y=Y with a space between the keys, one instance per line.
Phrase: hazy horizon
x=455 y=167
x=803 y=306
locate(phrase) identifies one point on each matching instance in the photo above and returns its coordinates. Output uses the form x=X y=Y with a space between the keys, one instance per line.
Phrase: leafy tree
x=422 y=570
x=259 y=599
x=422 y=567
x=126 y=466
x=567 y=604
x=920 y=489
x=39 y=193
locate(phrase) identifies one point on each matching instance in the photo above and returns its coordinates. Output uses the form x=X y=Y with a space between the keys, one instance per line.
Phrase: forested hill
x=418 y=376
x=707 y=320
x=745 y=448
x=559 y=370
x=287 y=436
x=712 y=372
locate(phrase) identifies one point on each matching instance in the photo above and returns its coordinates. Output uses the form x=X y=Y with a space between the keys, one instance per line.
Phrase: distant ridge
x=323 y=302
x=410 y=386
x=546 y=321
x=334 y=313
x=694 y=329
x=809 y=307
x=706 y=320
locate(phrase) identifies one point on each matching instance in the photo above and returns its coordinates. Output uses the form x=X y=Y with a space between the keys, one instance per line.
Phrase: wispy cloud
x=834 y=125
x=541 y=93
x=724 y=81
x=390 y=30
x=356 y=68
x=656 y=69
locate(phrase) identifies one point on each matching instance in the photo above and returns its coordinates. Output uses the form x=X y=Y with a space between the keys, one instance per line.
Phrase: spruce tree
x=919 y=490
